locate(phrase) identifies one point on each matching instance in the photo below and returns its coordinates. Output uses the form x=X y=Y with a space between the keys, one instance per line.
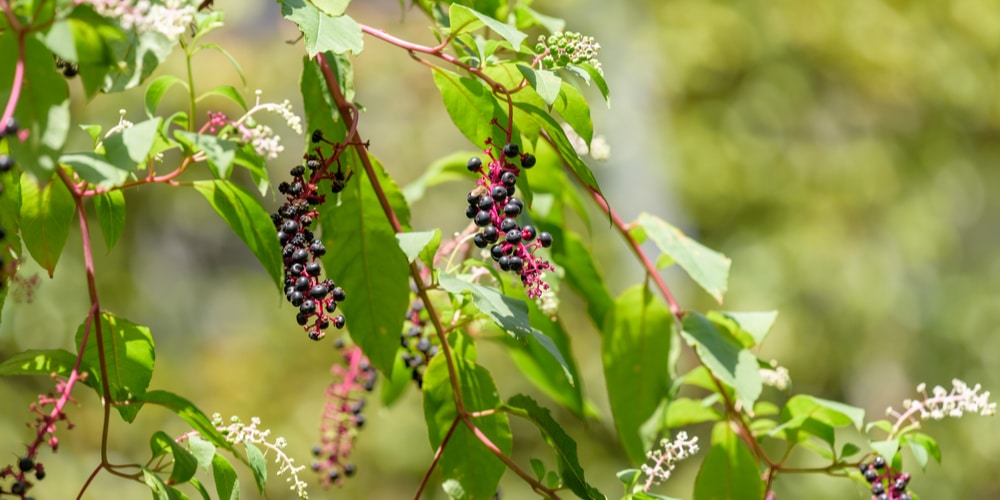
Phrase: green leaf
x=413 y=243
x=248 y=158
x=331 y=7
x=219 y=152
x=546 y=83
x=922 y=446
x=161 y=491
x=527 y=17
x=471 y=106
x=323 y=32
x=445 y=169
x=364 y=257
x=110 y=209
x=685 y=411
x=42 y=106
x=757 y=324
x=636 y=343
x=464 y=20
x=562 y=144
x=202 y=450
x=886 y=448
x=724 y=356
x=248 y=219
x=707 y=267
x=130 y=147
x=157 y=89
x=729 y=471
x=93 y=40
x=848 y=450
x=141 y=54
x=227 y=483
x=10 y=213
x=96 y=169
x=258 y=464
x=465 y=460
x=509 y=314
x=46 y=214
x=227 y=91
x=190 y=413
x=232 y=60
x=582 y=274
x=832 y=413
x=39 y=362
x=573 y=107
x=185 y=464
x=128 y=355
x=200 y=488
x=593 y=74
x=563 y=445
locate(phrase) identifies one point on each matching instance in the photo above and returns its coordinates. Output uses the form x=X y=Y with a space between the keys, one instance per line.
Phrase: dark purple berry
x=472 y=198
x=40 y=474
x=423 y=344
x=496 y=252
x=491 y=233
x=485 y=202
x=338 y=322
x=296 y=298
x=18 y=488
x=871 y=475
x=528 y=160
x=482 y=218
x=508 y=179
x=878 y=488
x=301 y=319
x=331 y=306
x=282 y=237
x=11 y=127
x=339 y=295
x=312 y=163
x=312 y=269
x=333 y=475
x=315 y=335
x=359 y=421
x=511 y=210
x=300 y=255
x=504 y=262
x=508 y=224
x=6 y=163
x=317 y=136
x=545 y=239
x=350 y=469
x=308 y=307
x=290 y=227
x=863 y=467
x=301 y=284
x=297 y=171
x=474 y=164
x=516 y=263
x=318 y=292
x=480 y=240
x=904 y=496
x=498 y=193
x=296 y=269
x=471 y=211
x=513 y=236
x=511 y=150
x=878 y=462
x=25 y=464
x=317 y=249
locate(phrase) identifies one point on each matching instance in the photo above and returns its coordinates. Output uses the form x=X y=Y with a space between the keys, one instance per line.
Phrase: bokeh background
x=842 y=152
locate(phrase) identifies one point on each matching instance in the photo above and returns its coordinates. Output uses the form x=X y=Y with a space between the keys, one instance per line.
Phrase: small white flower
x=664 y=459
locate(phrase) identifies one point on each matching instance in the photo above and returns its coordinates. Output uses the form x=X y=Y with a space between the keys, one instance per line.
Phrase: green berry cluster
x=562 y=49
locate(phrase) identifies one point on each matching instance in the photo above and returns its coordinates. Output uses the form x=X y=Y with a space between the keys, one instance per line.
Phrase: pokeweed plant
x=341 y=249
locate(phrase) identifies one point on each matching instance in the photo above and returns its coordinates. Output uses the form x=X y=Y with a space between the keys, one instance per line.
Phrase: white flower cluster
x=598 y=150
x=167 y=17
x=262 y=137
x=941 y=403
x=237 y=432
x=776 y=376
x=664 y=459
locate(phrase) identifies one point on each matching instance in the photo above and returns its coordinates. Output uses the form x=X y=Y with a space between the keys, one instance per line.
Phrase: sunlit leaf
x=46 y=215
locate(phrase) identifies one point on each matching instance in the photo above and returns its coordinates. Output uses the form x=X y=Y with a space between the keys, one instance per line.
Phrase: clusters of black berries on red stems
x=315 y=298
x=886 y=483
x=494 y=208
x=342 y=415
x=9 y=129
x=419 y=346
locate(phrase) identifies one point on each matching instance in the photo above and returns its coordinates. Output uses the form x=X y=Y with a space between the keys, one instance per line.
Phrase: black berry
x=528 y=160
x=511 y=150
x=878 y=488
x=485 y=203
x=871 y=475
x=6 y=163
x=498 y=193
x=317 y=135
x=339 y=295
x=472 y=198
x=296 y=298
x=297 y=170
x=301 y=284
x=25 y=464
x=545 y=239
x=331 y=307
x=508 y=224
x=11 y=127
x=290 y=227
x=317 y=249
x=471 y=211
x=480 y=240
x=879 y=462
x=482 y=218
x=318 y=292
x=508 y=179
x=300 y=255
x=528 y=233
x=338 y=322
x=504 y=262
x=516 y=263
x=514 y=236
x=496 y=252
x=474 y=164
x=511 y=209
x=491 y=233
x=308 y=307
x=312 y=269
x=350 y=469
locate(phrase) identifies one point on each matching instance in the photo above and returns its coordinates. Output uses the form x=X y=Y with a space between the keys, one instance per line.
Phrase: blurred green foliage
x=842 y=152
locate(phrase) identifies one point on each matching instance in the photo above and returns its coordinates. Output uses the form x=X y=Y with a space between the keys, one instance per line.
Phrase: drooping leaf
x=724 y=356
x=923 y=448
x=85 y=38
x=185 y=464
x=729 y=471
x=131 y=147
x=39 y=362
x=248 y=219
x=227 y=483
x=157 y=89
x=46 y=214
x=227 y=91
x=573 y=107
x=706 y=267
x=562 y=444
x=42 y=106
x=757 y=324
x=465 y=461
x=414 y=242
x=141 y=53
x=160 y=489
x=202 y=450
x=110 y=208
x=562 y=144
x=258 y=464
x=591 y=74
x=128 y=355
x=95 y=168
x=188 y=412
x=546 y=83
x=636 y=345
x=463 y=20
x=686 y=411
x=471 y=106
x=323 y=32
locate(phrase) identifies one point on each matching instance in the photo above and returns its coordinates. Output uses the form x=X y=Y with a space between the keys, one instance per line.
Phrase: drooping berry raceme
x=493 y=207
x=886 y=484
x=315 y=298
x=419 y=346
x=342 y=415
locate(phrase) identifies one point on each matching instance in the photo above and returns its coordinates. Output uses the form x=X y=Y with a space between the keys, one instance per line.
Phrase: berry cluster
x=493 y=207
x=342 y=418
x=886 y=484
x=20 y=486
x=9 y=129
x=68 y=69
x=418 y=346
x=316 y=299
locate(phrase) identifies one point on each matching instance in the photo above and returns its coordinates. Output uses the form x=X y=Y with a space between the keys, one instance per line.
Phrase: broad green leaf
x=190 y=413
x=219 y=152
x=205 y=23
x=46 y=215
x=636 y=344
x=42 y=105
x=248 y=158
x=10 y=213
x=562 y=444
x=706 y=267
x=200 y=488
x=141 y=54
x=226 y=91
x=509 y=75
x=832 y=413
x=724 y=356
x=464 y=20
x=331 y=7
x=527 y=17
x=430 y=251
x=161 y=490
x=582 y=274
x=202 y=450
x=413 y=243
x=729 y=471
x=922 y=446
x=320 y=110
x=398 y=381
x=39 y=362
x=96 y=169
x=110 y=209
x=365 y=259
x=849 y=449
x=573 y=107
x=471 y=106
x=887 y=448
x=590 y=73
x=129 y=358
x=258 y=464
x=185 y=464
x=157 y=89
x=227 y=483
x=546 y=83
x=685 y=411
x=248 y=219
x=562 y=144
x=322 y=31
x=757 y=324
x=509 y=314
x=93 y=39
x=465 y=460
